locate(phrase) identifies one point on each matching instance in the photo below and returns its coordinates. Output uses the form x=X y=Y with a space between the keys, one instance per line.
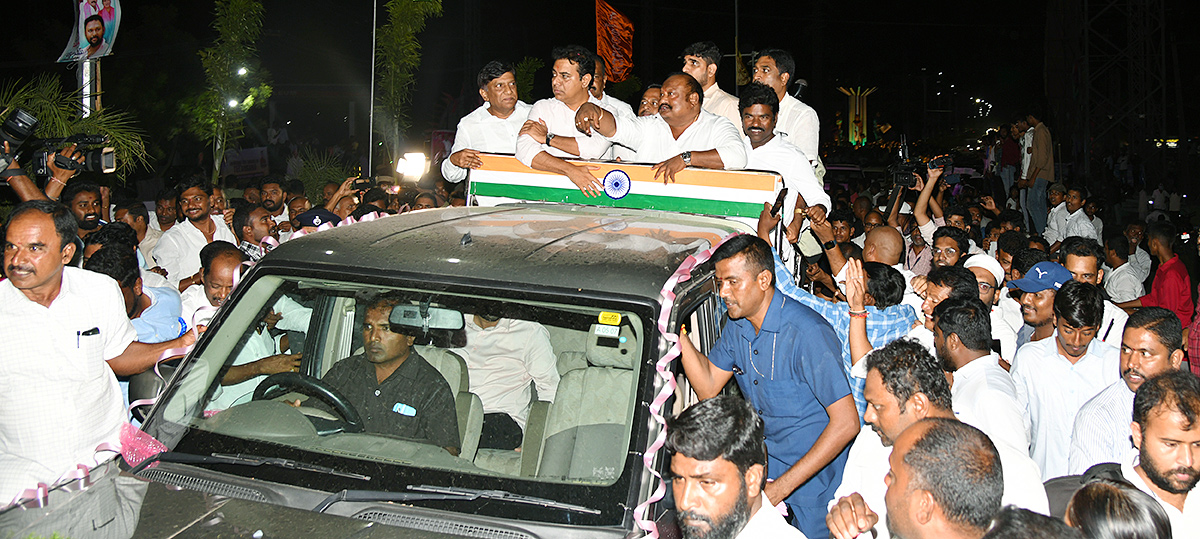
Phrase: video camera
x=902 y=171
x=17 y=130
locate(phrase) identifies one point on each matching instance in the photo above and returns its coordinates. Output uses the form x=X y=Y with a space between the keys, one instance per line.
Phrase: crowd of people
x=1024 y=373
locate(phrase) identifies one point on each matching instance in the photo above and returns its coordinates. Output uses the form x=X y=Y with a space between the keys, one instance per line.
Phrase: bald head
x=884 y=244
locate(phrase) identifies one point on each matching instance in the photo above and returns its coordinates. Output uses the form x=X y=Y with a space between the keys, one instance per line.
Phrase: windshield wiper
x=243 y=459
x=432 y=492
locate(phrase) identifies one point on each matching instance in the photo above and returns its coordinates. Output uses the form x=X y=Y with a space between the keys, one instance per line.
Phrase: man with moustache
x=905 y=385
x=550 y=135
x=701 y=60
x=65 y=334
x=86 y=203
x=178 y=250
x=798 y=122
x=274 y=200
x=718 y=467
x=93 y=33
x=166 y=209
x=1167 y=466
x=492 y=127
x=682 y=134
x=766 y=151
x=1083 y=258
x=1056 y=376
x=253 y=225
x=1152 y=344
x=259 y=355
x=648 y=106
x=395 y=390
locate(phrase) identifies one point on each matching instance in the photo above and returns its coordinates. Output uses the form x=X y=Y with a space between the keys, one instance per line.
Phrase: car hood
x=122 y=506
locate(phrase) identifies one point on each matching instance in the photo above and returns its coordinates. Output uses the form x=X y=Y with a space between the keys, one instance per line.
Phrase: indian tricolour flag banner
x=727 y=193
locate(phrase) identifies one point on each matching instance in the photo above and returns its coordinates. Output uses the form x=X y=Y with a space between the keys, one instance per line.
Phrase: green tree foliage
x=397 y=56
x=236 y=81
x=59 y=114
x=525 y=70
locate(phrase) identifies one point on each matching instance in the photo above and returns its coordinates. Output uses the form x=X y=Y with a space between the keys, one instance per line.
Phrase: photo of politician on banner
x=95 y=30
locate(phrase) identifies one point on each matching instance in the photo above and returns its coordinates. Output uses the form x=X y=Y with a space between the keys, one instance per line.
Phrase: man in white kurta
x=492 y=127
x=178 y=251
x=798 y=122
x=701 y=60
x=682 y=134
x=550 y=134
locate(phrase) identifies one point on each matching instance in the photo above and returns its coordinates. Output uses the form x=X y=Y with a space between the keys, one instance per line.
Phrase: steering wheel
x=278 y=384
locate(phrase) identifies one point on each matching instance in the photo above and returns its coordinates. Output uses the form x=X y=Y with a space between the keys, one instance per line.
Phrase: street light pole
x=371 y=103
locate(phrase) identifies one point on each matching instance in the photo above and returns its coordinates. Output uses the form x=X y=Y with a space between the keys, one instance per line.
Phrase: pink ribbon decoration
x=667 y=295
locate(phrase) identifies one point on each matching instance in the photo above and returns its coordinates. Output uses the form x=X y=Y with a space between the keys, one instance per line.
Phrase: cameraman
x=25 y=187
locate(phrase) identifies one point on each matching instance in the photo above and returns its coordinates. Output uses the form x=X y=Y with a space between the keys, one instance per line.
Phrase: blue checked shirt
x=883 y=325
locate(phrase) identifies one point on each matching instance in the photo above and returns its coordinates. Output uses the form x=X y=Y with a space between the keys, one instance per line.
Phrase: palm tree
x=59 y=114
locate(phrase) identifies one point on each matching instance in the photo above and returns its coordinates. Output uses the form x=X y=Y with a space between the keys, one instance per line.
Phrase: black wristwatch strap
x=10 y=172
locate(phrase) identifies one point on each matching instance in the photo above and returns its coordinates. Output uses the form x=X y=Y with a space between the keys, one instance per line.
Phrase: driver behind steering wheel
x=393 y=388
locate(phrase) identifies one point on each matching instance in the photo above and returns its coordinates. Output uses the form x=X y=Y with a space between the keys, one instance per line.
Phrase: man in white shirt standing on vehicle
x=798 y=122
x=681 y=135
x=492 y=127
x=766 y=151
x=550 y=135
x=700 y=60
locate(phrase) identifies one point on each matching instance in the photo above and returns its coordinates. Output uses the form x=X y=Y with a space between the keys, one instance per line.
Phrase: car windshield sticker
x=611 y=319
x=616 y=184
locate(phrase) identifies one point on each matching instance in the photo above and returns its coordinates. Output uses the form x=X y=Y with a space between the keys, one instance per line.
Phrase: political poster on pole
x=94 y=31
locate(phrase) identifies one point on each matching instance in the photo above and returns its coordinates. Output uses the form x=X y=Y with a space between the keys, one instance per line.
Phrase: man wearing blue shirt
x=786 y=358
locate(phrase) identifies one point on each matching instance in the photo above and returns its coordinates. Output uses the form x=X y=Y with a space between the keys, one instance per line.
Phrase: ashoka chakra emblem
x=616 y=184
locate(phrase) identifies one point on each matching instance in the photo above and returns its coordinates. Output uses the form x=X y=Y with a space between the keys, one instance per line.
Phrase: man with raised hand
x=681 y=135
x=779 y=351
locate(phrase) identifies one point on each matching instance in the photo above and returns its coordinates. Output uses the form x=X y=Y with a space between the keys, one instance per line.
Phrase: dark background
x=318 y=55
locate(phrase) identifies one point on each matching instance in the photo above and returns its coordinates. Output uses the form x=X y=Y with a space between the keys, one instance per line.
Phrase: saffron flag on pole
x=614 y=41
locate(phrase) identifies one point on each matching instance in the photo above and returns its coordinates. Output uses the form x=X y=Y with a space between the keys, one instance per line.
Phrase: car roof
x=586 y=248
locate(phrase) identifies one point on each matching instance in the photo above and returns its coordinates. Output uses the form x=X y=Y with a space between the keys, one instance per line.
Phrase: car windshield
x=417 y=385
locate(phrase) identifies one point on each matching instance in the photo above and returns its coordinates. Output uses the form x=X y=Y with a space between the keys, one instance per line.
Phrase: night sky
x=318 y=54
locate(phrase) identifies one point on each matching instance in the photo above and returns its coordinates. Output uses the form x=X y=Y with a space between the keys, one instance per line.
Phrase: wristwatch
x=549 y=137
x=687 y=158
x=829 y=245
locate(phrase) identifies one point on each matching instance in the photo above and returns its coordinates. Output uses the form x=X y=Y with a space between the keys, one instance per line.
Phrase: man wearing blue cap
x=1038 y=288
x=1055 y=377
